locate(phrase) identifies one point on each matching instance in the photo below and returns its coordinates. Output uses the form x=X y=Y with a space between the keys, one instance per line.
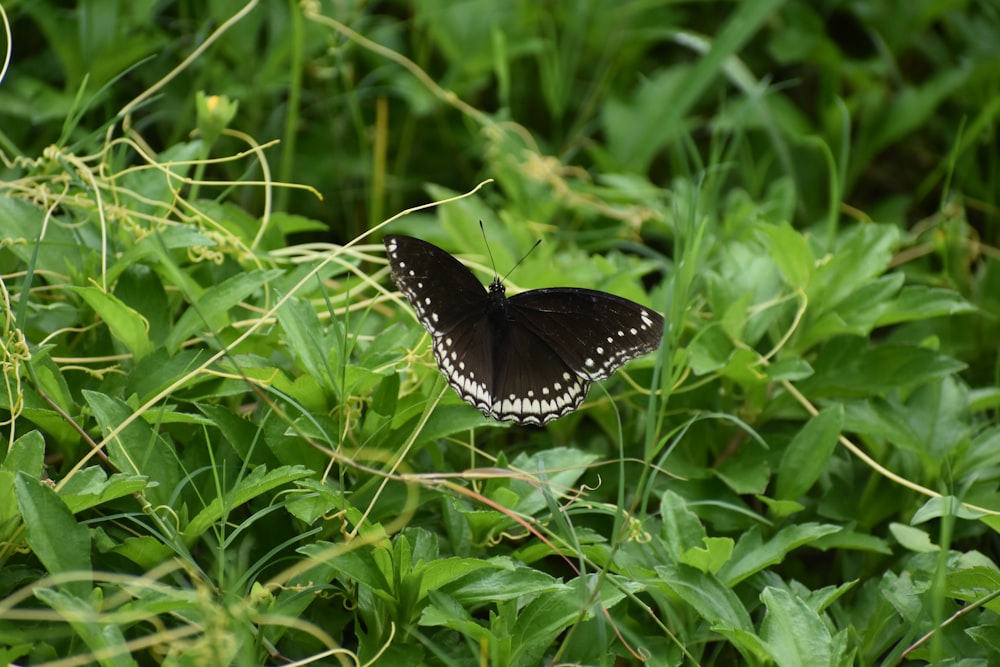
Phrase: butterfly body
x=528 y=358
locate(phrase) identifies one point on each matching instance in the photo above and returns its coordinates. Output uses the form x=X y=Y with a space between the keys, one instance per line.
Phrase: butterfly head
x=498 y=298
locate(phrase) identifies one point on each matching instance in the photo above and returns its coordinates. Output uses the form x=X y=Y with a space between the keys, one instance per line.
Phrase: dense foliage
x=226 y=437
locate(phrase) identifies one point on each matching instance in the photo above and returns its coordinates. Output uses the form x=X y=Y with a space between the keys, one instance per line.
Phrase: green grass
x=226 y=438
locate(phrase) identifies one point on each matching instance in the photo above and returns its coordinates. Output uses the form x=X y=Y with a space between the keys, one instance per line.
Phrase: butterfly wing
x=452 y=305
x=532 y=384
x=592 y=332
x=444 y=293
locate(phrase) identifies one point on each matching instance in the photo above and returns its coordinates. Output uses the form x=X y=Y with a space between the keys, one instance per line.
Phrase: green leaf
x=57 y=540
x=752 y=554
x=27 y=455
x=357 y=564
x=444 y=611
x=790 y=251
x=126 y=325
x=748 y=472
x=711 y=598
x=791 y=369
x=860 y=255
x=21 y=223
x=561 y=467
x=542 y=619
x=257 y=483
x=682 y=530
x=792 y=631
x=807 y=454
x=919 y=302
x=211 y=312
x=716 y=552
x=499 y=578
x=849 y=365
x=92 y=486
x=935 y=508
x=140 y=288
x=913 y=539
x=307 y=342
x=136 y=449
x=145 y=551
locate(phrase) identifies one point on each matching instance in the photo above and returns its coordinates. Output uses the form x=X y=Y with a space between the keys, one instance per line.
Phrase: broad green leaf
x=807 y=454
x=790 y=251
x=153 y=248
x=744 y=366
x=20 y=226
x=912 y=538
x=905 y=592
x=136 y=449
x=707 y=594
x=561 y=467
x=161 y=369
x=56 y=539
x=852 y=366
x=863 y=309
x=939 y=413
x=83 y=614
x=358 y=565
x=211 y=312
x=853 y=540
x=308 y=344
x=27 y=455
x=748 y=472
x=245 y=437
x=156 y=189
x=919 y=302
x=711 y=557
x=793 y=632
x=10 y=519
x=51 y=382
x=974 y=582
x=145 y=551
x=92 y=486
x=444 y=611
x=386 y=396
x=497 y=579
x=139 y=287
x=752 y=554
x=257 y=483
x=791 y=369
x=542 y=619
x=861 y=254
x=935 y=508
x=681 y=529
x=781 y=509
x=710 y=350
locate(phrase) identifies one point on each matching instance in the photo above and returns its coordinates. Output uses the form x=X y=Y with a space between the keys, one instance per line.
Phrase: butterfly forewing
x=441 y=290
x=527 y=359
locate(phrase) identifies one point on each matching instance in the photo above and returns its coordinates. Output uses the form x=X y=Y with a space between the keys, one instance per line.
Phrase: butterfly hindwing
x=597 y=331
x=532 y=382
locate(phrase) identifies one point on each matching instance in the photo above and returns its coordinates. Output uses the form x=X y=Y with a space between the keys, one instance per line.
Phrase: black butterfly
x=527 y=359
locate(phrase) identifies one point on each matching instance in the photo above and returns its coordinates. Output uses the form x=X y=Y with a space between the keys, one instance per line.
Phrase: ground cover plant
x=226 y=440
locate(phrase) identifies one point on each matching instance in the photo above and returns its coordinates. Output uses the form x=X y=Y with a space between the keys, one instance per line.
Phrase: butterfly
x=528 y=358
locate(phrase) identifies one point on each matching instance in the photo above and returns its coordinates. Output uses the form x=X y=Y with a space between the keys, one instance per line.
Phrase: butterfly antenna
x=504 y=279
x=537 y=243
x=490 y=252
